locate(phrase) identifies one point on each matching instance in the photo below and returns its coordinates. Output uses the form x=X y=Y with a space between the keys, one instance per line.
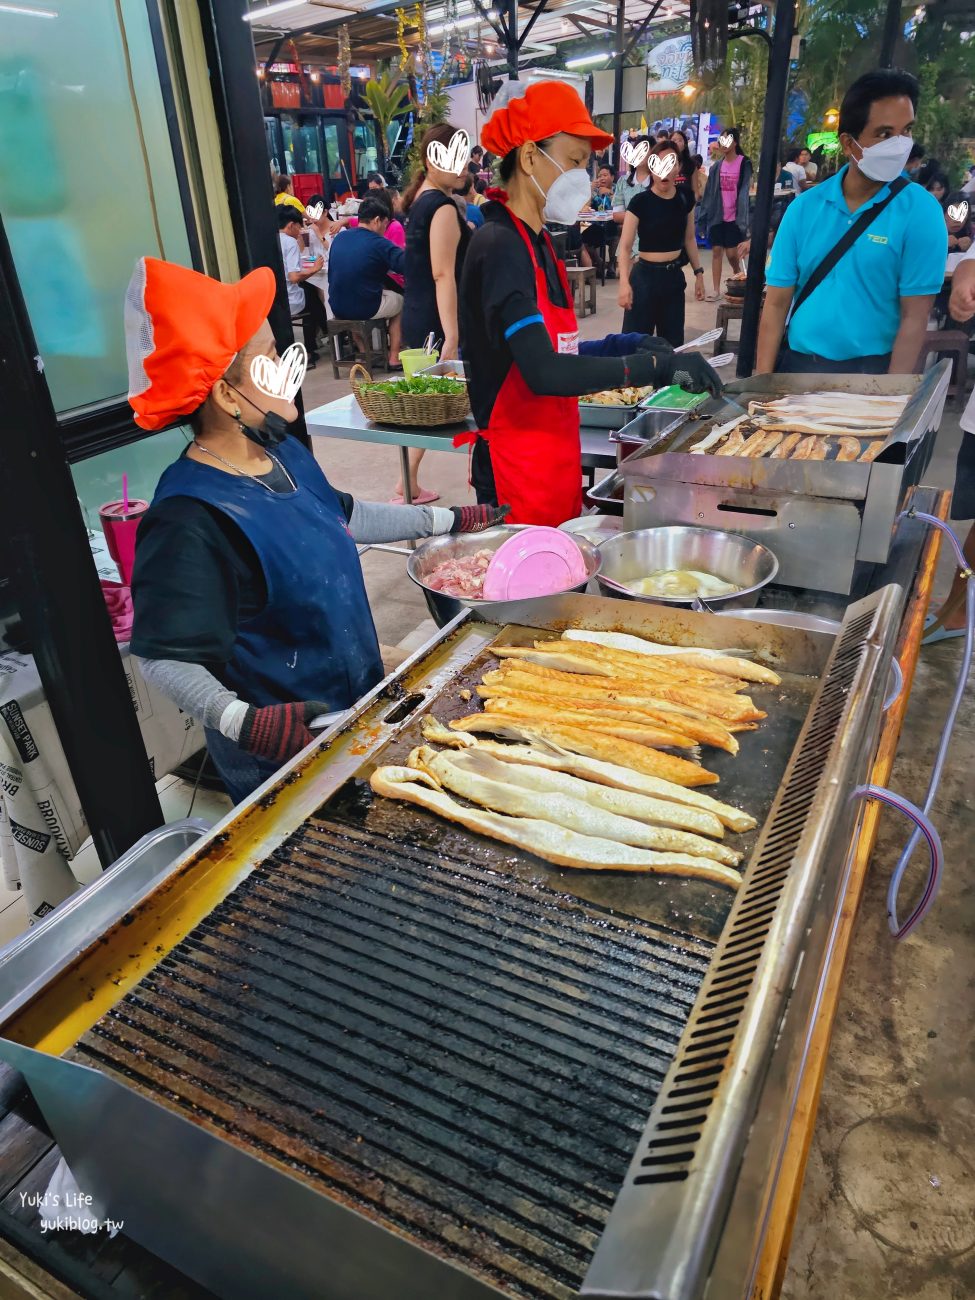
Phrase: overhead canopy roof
x=372 y=24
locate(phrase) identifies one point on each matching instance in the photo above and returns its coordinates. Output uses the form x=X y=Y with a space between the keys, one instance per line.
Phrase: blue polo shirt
x=358 y=263
x=855 y=312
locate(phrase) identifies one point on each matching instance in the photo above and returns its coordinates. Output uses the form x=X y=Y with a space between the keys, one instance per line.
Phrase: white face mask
x=885 y=161
x=567 y=195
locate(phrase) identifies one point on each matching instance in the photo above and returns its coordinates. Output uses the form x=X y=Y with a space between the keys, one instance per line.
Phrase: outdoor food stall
x=518 y=983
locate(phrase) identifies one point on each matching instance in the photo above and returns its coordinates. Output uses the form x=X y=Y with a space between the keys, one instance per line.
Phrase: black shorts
x=725 y=234
x=963 y=496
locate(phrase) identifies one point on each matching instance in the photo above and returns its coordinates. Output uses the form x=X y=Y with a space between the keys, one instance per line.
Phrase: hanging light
x=585 y=59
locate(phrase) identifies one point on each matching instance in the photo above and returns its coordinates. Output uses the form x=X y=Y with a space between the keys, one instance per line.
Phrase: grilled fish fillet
x=784 y=449
x=552 y=758
x=610 y=724
x=553 y=843
x=769 y=443
x=540 y=777
x=592 y=743
x=849 y=449
x=607 y=661
x=481 y=779
x=609 y=686
x=733 y=444
x=751 y=445
x=712 y=660
x=722 y=706
x=584 y=699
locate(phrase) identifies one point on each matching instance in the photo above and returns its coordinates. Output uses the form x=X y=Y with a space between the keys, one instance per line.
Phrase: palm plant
x=388 y=98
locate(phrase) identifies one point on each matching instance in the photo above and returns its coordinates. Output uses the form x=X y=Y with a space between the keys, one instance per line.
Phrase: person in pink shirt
x=724 y=211
x=395 y=231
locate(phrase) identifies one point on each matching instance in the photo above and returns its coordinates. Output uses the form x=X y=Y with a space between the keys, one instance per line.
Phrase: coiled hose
x=920 y=816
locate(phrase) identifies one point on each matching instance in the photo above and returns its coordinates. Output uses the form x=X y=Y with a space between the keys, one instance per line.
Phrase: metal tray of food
x=668 y=453
x=611 y=412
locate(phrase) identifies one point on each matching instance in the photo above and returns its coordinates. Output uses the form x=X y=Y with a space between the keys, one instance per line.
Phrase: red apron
x=536 y=453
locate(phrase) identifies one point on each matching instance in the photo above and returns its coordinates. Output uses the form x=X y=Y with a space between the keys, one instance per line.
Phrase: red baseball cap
x=543 y=110
x=182 y=330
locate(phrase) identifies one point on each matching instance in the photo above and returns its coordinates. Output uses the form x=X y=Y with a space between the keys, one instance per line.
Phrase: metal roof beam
x=638 y=35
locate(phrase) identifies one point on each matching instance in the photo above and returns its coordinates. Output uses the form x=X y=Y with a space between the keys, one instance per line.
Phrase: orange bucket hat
x=537 y=112
x=182 y=330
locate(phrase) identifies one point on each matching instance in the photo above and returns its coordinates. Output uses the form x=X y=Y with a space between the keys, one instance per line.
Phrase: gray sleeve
x=190 y=686
x=374 y=522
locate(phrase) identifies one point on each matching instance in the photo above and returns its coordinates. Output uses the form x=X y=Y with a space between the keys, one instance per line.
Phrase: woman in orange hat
x=519 y=338
x=250 y=607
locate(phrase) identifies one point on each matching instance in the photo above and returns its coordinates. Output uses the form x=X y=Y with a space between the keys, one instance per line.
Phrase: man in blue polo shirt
x=869 y=314
x=359 y=264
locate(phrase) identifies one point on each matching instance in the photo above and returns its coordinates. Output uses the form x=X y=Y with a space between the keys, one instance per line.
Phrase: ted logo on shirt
x=569 y=343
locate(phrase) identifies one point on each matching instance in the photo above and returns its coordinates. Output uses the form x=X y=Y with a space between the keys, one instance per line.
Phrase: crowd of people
x=653 y=205
x=406 y=259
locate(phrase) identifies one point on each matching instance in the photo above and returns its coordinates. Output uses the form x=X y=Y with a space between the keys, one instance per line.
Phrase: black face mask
x=272 y=430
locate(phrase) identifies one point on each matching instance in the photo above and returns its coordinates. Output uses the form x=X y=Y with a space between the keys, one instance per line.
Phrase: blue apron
x=315 y=638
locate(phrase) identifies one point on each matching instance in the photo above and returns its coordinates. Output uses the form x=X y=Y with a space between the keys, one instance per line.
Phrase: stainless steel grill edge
x=757 y=997
x=235 y=1222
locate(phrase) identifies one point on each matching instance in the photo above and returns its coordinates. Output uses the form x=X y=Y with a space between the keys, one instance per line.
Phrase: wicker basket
x=417 y=410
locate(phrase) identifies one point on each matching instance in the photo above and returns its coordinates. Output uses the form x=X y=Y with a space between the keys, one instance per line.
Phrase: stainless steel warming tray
x=820 y=518
x=344 y=1050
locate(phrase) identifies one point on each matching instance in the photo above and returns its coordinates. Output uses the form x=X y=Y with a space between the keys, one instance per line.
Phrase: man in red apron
x=519 y=335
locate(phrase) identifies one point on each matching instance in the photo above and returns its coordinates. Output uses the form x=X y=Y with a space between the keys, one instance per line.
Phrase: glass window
x=309 y=156
x=275 y=151
x=333 y=156
x=366 y=153
x=87 y=181
x=289 y=133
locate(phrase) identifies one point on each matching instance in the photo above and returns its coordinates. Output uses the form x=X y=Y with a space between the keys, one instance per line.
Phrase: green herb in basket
x=419 y=384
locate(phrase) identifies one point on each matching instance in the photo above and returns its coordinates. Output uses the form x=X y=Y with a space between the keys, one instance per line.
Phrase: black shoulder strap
x=843 y=246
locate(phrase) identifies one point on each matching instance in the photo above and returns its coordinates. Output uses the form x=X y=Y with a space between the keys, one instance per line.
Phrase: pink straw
x=125 y=494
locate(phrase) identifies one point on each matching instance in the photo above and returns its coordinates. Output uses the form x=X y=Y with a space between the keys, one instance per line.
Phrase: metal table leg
x=404 y=461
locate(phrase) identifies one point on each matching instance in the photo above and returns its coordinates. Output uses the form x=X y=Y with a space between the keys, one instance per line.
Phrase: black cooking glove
x=643 y=370
x=474 y=519
x=279 y=731
x=656 y=346
x=691 y=371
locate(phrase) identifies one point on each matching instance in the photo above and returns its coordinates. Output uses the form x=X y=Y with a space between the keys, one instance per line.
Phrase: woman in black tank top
x=652 y=292
x=436 y=241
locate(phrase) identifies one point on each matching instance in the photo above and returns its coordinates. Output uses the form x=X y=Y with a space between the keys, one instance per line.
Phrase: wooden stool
x=376 y=354
x=954 y=343
x=727 y=311
x=583 y=282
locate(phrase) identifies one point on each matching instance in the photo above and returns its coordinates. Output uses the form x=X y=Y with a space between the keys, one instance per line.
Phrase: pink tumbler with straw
x=120 y=523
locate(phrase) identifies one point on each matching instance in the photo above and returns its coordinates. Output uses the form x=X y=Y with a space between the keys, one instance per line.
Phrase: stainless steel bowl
x=443 y=608
x=632 y=556
x=594 y=528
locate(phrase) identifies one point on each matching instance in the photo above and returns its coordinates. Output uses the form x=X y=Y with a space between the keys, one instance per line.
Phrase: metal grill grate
x=699 y=1068
x=465 y=1057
